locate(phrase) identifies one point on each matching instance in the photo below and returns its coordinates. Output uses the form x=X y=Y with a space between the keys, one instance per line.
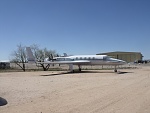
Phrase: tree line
x=19 y=56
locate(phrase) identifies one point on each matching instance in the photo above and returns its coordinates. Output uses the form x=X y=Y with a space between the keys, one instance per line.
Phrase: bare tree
x=41 y=55
x=19 y=57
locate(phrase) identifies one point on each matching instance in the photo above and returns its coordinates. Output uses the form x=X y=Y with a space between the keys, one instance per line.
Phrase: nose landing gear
x=79 y=68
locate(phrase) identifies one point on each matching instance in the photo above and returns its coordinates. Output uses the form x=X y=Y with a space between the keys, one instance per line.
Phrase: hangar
x=126 y=56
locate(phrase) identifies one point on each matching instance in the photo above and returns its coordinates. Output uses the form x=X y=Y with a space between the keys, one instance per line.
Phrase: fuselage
x=90 y=60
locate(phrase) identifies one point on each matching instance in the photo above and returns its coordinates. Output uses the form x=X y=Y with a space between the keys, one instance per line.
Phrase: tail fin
x=65 y=55
x=30 y=56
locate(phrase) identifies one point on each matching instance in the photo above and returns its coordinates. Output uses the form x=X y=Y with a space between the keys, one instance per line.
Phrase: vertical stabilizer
x=30 y=56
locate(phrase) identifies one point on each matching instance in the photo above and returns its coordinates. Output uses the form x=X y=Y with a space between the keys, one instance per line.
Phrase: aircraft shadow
x=123 y=72
x=3 y=101
x=77 y=72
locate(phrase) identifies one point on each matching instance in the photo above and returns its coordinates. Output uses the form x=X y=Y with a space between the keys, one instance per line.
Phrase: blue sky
x=75 y=26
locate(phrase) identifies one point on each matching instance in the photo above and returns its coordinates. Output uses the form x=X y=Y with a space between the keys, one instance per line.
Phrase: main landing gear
x=72 y=70
x=115 y=70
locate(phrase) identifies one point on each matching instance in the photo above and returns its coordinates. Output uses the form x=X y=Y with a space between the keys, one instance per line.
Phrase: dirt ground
x=99 y=91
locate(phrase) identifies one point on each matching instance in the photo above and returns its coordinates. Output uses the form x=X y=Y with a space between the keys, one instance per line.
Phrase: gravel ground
x=95 y=91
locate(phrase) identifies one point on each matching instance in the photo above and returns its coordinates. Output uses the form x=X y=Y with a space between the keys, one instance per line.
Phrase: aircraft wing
x=67 y=62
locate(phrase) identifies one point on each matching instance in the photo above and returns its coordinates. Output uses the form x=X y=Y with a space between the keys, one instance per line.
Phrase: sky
x=75 y=26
